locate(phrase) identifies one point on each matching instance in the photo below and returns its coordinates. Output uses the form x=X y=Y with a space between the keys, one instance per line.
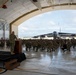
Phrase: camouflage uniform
x=12 y=41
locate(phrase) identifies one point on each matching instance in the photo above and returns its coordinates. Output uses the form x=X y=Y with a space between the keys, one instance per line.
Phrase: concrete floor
x=47 y=63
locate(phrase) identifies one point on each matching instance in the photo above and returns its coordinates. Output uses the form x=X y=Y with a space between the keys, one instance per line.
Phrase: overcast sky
x=61 y=20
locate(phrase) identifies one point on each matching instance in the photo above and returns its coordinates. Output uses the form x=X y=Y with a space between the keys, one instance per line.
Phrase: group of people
x=49 y=45
x=42 y=44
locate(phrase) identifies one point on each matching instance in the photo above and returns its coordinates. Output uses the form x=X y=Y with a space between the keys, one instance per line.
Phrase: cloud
x=74 y=20
x=52 y=23
x=24 y=28
x=73 y=12
x=48 y=22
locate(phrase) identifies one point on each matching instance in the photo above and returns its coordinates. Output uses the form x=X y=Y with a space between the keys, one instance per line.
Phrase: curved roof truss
x=18 y=11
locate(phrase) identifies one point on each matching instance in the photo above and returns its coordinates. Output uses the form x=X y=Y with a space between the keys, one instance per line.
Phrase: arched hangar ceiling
x=17 y=11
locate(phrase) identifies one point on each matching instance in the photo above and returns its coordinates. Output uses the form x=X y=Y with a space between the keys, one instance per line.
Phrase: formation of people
x=40 y=44
x=49 y=45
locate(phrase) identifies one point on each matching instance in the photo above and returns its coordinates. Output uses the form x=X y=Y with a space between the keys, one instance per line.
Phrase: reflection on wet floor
x=50 y=62
x=47 y=63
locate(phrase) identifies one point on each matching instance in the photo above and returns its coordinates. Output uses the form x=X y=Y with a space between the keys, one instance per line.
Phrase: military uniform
x=12 y=42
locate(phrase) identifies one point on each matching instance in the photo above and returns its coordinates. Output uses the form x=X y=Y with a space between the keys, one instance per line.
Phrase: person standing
x=12 y=39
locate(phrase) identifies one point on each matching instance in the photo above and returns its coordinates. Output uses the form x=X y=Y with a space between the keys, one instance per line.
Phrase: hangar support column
x=14 y=28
